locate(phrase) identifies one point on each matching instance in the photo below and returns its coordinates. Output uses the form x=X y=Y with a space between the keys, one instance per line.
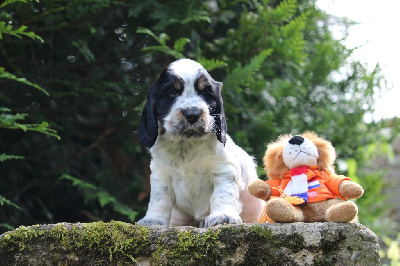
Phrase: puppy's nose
x=192 y=114
x=296 y=140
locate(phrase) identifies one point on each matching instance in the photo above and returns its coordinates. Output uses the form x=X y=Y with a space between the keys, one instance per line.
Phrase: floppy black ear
x=220 y=118
x=220 y=127
x=148 y=127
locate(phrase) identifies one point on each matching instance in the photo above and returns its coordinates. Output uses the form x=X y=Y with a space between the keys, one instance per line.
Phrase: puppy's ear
x=220 y=118
x=148 y=127
x=220 y=127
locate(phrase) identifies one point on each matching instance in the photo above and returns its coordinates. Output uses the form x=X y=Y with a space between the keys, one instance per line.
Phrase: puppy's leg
x=225 y=205
x=161 y=202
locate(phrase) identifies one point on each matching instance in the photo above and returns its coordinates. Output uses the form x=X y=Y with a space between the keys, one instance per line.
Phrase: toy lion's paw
x=281 y=211
x=343 y=212
x=350 y=190
x=259 y=189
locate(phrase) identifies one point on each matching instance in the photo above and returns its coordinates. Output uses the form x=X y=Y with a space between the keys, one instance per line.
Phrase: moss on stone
x=118 y=243
x=113 y=241
x=17 y=239
x=187 y=247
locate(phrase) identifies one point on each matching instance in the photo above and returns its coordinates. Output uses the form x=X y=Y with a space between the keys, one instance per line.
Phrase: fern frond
x=284 y=11
x=5 y=157
x=7 y=226
x=77 y=182
x=211 y=64
x=12 y=121
x=244 y=75
x=180 y=44
x=6 y=75
x=19 y=33
x=103 y=197
x=8 y=2
x=163 y=47
x=4 y=201
x=293 y=38
x=84 y=49
x=295 y=26
x=196 y=18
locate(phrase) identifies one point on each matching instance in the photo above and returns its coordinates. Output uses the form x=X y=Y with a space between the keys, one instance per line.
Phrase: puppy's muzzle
x=192 y=114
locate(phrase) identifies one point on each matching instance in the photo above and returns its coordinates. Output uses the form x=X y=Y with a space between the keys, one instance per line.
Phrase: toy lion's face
x=292 y=151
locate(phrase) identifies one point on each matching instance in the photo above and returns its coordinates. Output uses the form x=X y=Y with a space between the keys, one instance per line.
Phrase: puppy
x=199 y=176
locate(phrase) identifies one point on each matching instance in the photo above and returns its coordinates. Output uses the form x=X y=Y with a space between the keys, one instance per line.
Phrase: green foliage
x=211 y=64
x=4 y=157
x=178 y=47
x=12 y=121
x=93 y=192
x=4 y=201
x=6 y=75
x=392 y=253
x=7 y=2
x=281 y=67
x=373 y=205
x=243 y=76
x=19 y=33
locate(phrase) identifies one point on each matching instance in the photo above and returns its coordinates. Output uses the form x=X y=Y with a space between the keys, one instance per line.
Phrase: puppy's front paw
x=149 y=222
x=222 y=218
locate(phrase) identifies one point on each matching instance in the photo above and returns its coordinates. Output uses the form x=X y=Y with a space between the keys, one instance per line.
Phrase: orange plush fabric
x=329 y=184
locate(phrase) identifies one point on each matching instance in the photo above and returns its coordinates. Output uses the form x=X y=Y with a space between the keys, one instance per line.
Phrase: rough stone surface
x=118 y=243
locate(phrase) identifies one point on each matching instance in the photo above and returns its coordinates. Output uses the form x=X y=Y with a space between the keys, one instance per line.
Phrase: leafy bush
x=282 y=71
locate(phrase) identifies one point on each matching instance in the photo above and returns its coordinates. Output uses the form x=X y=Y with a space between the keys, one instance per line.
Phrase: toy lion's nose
x=296 y=140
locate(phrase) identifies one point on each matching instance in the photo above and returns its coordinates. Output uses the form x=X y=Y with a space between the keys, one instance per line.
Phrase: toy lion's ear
x=273 y=158
x=326 y=152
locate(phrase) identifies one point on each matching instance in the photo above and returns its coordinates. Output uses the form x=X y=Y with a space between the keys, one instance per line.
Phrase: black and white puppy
x=198 y=174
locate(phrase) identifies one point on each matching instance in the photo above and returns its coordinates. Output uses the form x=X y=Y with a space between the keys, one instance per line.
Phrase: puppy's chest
x=192 y=182
x=192 y=167
x=193 y=191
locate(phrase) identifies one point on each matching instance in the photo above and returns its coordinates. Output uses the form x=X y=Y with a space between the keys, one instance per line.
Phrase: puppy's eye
x=174 y=93
x=206 y=90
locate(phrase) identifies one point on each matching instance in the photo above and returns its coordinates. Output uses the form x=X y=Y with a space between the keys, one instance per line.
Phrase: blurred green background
x=74 y=76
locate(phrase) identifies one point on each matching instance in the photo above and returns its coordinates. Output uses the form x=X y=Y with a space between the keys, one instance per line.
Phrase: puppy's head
x=185 y=102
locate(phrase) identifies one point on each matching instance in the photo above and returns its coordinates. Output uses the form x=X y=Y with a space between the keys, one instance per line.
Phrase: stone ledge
x=118 y=243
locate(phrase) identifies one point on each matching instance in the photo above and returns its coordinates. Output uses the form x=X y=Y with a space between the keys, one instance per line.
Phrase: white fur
x=298 y=155
x=197 y=179
x=188 y=70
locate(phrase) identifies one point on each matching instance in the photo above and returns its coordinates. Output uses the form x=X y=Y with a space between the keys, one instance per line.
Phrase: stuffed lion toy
x=302 y=185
